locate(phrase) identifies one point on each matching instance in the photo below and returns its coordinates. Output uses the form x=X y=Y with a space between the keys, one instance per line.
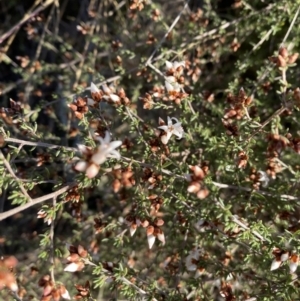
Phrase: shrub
x=149 y=150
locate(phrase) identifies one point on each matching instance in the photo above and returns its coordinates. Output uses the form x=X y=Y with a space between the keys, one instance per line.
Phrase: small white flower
x=169 y=65
x=132 y=224
x=191 y=259
x=171 y=79
x=92 y=170
x=171 y=129
x=106 y=149
x=263 y=178
x=81 y=166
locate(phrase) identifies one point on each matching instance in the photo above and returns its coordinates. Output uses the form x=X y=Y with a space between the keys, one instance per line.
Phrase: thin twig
x=264 y=38
x=267 y=71
x=24 y=20
x=7 y=165
x=12 y=37
x=224 y=26
x=52 y=248
x=242 y=225
x=38 y=52
x=166 y=34
x=290 y=27
x=248 y=189
x=123 y=279
x=39 y=144
x=36 y=201
x=275 y=114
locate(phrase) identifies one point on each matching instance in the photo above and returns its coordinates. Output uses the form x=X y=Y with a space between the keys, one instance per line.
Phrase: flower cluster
x=76 y=258
x=99 y=225
x=94 y=158
x=45 y=215
x=137 y=4
x=196 y=181
x=151 y=177
x=259 y=178
x=156 y=202
x=237 y=109
x=242 y=159
x=284 y=58
x=79 y=106
x=282 y=256
x=237 y=104
x=108 y=94
x=174 y=77
x=73 y=195
x=10 y=115
x=124 y=178
x=52 y=291
x=192 y=262
x=83 y=291
x=173 y=90
x=153 y=229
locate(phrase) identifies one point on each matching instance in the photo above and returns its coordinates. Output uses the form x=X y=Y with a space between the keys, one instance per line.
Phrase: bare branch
x=36 y=201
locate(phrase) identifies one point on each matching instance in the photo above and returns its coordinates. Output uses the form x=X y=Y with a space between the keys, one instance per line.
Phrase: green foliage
x=221 y=201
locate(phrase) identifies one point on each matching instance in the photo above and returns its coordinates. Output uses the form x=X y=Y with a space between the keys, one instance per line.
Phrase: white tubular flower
x=171 y=129
x=151 y=240
x=94 y=89
x=275 y=264
x=294 y=260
